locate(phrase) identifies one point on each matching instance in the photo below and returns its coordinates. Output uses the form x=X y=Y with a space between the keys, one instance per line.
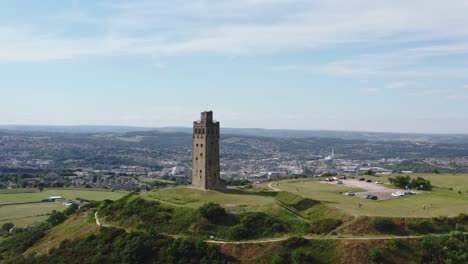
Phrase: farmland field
x=26 y=214
x=25 y=208
x=28 y=197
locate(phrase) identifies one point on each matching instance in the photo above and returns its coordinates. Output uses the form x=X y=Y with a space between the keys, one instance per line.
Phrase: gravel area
x=379 y=190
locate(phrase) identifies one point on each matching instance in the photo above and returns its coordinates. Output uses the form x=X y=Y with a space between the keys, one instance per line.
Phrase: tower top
x=207 y=117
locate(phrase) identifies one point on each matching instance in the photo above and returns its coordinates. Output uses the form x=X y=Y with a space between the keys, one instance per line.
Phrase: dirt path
x=97 y=219
x=98 y=222
x=273 y=188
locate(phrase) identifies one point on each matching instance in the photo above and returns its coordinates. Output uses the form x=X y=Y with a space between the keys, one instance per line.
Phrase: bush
x=255 y=225
x=7 y=226
x=277 y=259
x=387 y=226
x=395 y=245
x=213 y=212
x=422 y=227
x=325 y=226
x=56 y=218
x=302 y=255
x=375 y=255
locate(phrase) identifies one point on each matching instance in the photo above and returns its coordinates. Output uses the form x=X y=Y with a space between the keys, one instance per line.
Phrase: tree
x=421 y=184
x=401 y=181
x=56 y=218
x=7 y=226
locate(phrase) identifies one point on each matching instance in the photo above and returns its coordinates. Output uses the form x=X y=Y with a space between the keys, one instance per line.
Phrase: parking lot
x=379 y=190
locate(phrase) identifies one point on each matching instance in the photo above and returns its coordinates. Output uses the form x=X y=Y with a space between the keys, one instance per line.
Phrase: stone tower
x=205 y=172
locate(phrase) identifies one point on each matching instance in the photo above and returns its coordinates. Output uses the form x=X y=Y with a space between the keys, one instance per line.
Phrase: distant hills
x=273 y=133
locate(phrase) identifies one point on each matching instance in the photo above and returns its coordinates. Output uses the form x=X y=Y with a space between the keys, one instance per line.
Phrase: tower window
x=203 y=131
x=201 y=145
x=201 y=154
x=200 y=171
x=196 y=158
x=197 y=145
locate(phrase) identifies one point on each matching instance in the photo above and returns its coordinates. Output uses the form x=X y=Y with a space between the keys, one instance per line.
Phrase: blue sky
x=392 y=66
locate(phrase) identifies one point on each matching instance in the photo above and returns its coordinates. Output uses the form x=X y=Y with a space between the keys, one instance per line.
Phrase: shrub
x=422 y=227
x=56 y=218
x=277 y=258
x=325 y=226
x=386 y=225
x=395 y=245
x=302 y=255
x=7 y=226
x=213 y=212
x=375 y=255
x=295 y=242
x=254 y=225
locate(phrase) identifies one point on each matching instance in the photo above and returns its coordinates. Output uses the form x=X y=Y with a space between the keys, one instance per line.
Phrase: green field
x=438 y=202
x=28 y=197
x=26 y=214
x=22 y=208
x=238 y=200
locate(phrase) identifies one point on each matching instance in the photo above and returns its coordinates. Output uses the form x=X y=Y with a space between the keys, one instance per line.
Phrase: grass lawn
x=28 y=197
x=251 y=201
x=25 y=214
x=444 y=201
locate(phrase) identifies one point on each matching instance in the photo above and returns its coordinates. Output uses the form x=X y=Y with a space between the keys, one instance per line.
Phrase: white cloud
x=242 y=27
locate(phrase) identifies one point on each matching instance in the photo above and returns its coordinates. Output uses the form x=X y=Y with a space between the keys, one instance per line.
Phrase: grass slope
x=75 y=227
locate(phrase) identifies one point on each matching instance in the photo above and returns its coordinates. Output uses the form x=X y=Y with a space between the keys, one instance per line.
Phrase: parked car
x=362 y=179
x=349 y=193
x=342 y=177
x=378 y=182
x=339 y=182
x=369 y=181
x=371 y=197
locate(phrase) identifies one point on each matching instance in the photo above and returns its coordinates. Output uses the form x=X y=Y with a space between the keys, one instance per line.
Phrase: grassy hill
x=306 y=222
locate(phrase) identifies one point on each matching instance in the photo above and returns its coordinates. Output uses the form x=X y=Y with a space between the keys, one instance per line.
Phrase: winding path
x=273 y=188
